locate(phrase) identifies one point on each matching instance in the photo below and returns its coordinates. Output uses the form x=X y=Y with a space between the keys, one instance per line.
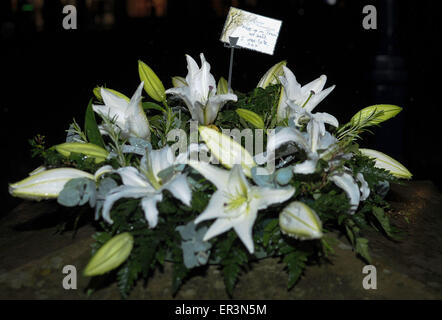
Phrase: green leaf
x=127 y=276
x=152 y=105
x=91 y=127
x=380 y=215
x=362 y=248
x=295 y=263
x=251 y=117
x=152 y=84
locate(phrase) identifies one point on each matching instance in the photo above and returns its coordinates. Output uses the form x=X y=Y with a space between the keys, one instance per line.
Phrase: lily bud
x=46 y=184
x=111 y=255
x=251 y=117
x=223 y=86
x=152 y=84
x=300 y=221
x=97 y=93
x=179 y=82
x=385 y=162
x=226 y=150
x=389 y=111
x=272 y=75
x=88 y=149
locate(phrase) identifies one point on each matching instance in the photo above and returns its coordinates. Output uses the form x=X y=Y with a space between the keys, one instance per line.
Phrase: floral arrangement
x=171 y=179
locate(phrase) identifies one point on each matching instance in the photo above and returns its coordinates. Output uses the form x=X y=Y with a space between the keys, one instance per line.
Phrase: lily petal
x=244 y=227
x=131 y=177
x=149 y=204
x=346 y=182
x=268 y=196
x=219 y=177
x=121 y=192
x=215 y=208
x=180 y=189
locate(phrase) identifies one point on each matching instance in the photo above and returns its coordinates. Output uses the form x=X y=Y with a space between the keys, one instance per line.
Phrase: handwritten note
x=253 y=31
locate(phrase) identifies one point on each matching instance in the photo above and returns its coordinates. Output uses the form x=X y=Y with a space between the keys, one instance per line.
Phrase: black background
x=48 y=75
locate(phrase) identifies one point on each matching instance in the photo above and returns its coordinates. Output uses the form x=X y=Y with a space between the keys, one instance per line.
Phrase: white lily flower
x=315 y=146
x=235 y=204
x=147 y=185
x=295 y=95
x=200 y=93
x=346 y=182
x=46 y=184
x=129 y=115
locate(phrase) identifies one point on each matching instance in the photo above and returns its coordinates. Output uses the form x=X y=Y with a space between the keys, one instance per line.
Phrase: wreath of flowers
x=210 y=197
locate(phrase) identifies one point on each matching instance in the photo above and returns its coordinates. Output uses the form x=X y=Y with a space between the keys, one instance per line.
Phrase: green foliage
x=373 y=175
x=295 y=263
x=233 y=258
x=91 y=127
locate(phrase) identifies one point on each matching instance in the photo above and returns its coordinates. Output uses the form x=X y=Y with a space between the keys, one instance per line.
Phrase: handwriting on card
x=253 y=31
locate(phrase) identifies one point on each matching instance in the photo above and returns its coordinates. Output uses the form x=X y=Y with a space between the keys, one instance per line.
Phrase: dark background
x=48 y=73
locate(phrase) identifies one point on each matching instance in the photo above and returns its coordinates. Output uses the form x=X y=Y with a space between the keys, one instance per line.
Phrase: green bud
x=97 y=93
x=226 y=150
x=300 y=221
x=389 y=111
x=272 y=75
x=152 y=84
x=223 y=86
x=251 y=117
x=111 y=255
x=387 y=163
x=88 y=149
x=179 y=82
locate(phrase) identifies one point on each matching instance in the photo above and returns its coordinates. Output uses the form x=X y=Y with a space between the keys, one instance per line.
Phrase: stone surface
x=32 y=256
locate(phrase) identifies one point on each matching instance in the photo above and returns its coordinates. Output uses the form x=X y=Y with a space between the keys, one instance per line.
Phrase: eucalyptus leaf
x=77 y=192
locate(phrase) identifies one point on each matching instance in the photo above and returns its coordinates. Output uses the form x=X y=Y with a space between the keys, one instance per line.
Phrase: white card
x=254 y=32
